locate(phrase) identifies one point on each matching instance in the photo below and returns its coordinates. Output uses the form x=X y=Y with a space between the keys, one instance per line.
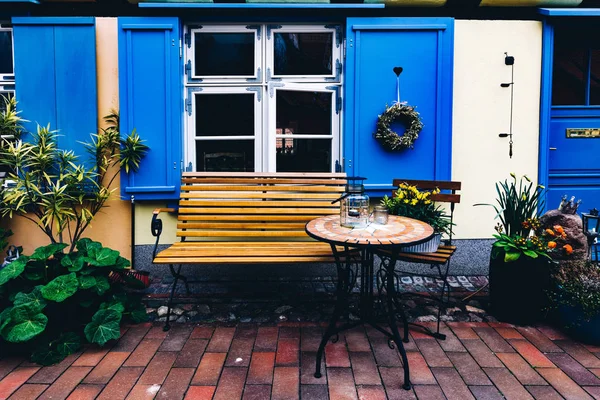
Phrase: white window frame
x=336 y=53
x=272 y=136
x=191 y=139
x=261 y=85
x=7 y=81
x=258 y=54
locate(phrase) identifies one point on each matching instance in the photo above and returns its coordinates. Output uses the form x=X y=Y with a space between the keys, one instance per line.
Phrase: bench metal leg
x=177 y=275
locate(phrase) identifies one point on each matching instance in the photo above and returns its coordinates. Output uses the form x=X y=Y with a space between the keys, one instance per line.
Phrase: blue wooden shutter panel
x=151 y=99
x=55 y=76
x=424 y=47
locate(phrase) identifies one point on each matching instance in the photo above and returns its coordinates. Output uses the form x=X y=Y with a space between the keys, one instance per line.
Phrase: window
x=7 y=74
x=262 y=97
x=576 y=70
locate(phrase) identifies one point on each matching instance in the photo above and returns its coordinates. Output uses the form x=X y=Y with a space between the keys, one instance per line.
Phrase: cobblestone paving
x=478 y=360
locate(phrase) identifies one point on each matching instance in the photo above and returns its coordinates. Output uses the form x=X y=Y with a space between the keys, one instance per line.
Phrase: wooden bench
x=248 y=218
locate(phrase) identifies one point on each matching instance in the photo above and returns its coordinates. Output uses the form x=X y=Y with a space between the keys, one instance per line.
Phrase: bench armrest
x=156 y=226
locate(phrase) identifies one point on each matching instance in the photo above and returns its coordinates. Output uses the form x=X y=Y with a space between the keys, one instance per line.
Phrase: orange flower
x=559 y=229
x=550 y=232
x=568 y=249
x=551 y=245
x=564 y=235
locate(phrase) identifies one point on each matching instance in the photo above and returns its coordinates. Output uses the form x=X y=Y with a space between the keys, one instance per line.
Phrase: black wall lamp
x=510 y=60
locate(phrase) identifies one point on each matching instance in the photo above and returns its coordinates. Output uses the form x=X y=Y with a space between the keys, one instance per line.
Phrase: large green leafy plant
x=56 y=191
x=53 y=301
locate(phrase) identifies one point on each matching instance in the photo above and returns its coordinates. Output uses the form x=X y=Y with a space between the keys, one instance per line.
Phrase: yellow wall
x=112 y=224
x=481 y=112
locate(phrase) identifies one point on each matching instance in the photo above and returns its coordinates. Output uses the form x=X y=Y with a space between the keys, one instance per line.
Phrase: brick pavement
x=262 y=362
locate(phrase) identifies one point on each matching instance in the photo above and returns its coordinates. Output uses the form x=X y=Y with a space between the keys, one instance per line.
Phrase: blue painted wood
x=545 y=104
x=259 y=5
x=151 y=100
x=55 y=77
x=570 y=12
x=374 y=47
x=571 y=169
x=53 y=21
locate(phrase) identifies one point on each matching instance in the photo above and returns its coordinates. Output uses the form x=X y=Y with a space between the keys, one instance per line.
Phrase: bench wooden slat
x=240 y=225
x=243 y=260
x=266 y=181
x=254 y=203
x=197 y=245
x=240 y=233
x=269 y=188
x=264 y=211
x=261 y=195
x=284 y=217
x=298 y=175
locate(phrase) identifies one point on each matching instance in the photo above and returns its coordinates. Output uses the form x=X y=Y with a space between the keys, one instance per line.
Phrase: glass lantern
x=591 y=229
x=354 y=208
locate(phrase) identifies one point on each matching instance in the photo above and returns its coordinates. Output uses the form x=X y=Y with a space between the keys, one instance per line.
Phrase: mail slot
x=583 y=132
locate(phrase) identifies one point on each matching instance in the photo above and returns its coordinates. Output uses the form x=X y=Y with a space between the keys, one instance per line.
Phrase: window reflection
x=220 y=54
x=303 y=53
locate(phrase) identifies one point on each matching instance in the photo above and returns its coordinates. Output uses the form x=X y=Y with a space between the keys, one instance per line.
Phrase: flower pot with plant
x=575 y=299
x=409 y=201
x=519 y=263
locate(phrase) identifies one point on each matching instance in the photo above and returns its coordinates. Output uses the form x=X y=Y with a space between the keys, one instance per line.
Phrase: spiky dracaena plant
x=56 y=191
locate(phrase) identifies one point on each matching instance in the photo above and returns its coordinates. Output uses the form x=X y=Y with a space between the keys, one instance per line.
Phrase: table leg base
x=318 y=375
x=406 y=386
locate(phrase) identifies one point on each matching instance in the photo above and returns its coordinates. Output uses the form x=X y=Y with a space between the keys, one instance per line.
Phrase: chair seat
x=441 y=256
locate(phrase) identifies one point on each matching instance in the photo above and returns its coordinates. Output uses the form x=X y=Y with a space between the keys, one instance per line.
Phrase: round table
x=397 y=234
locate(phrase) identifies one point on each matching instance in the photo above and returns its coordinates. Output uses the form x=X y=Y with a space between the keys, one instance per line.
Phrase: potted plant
x=409 y=201
x=519 y=263
x=575 y=299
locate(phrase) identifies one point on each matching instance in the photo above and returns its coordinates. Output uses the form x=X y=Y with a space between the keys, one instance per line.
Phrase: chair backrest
x=253 y=206
x=447 y=195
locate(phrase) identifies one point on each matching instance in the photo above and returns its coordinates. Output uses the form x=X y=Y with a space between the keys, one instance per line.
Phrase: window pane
x=303 y=155
x=570 y=68
x=303 y=53
x=225 y=155
x=595 y=78
x=224 y=54
x=6 y=58
x=304 y=113
x=225 y=114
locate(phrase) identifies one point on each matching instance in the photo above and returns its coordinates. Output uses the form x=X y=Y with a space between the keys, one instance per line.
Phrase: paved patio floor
x=247 y=361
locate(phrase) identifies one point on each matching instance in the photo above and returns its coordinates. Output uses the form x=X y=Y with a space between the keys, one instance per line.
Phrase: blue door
x=573 y=146
x=423 y=47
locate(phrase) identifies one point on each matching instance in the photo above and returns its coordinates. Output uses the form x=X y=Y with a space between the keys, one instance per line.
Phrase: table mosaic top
x=399 y=231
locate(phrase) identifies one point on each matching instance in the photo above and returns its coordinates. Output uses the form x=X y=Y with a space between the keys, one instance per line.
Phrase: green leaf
x=68 y=343
x=138 y=313
x=49 y=353
x=33 y=299
x=102 y=285
x=510 y=256
x=87 y=281
x=82 y=244
x=13 y=270
x=530 y=253
x=4 y=317
x=45 y=252
x=93 y=248
x=104 y=327
x=74 y=262
x=104 y=257
x=113 y=305
x=61 y=288
x=25 y=323
x=121 y=263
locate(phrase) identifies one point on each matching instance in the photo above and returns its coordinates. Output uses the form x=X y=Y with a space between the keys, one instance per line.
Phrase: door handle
x=552 y=148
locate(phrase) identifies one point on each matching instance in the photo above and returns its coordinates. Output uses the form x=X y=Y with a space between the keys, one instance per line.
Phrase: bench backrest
x=447 y=195
x=250 y=206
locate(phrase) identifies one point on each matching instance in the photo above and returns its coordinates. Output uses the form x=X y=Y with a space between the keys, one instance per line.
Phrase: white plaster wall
x=482 y=110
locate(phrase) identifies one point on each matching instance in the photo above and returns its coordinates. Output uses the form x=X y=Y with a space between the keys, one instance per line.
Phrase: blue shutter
x=151 y=98
x=55 y=76
x=423 y=47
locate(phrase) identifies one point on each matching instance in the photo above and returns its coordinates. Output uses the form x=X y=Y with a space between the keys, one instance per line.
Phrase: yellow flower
x=427 y=201
x=406 y=201
x=414 y=202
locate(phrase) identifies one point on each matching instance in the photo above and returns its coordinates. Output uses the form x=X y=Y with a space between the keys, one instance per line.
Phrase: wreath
x=405 y=114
